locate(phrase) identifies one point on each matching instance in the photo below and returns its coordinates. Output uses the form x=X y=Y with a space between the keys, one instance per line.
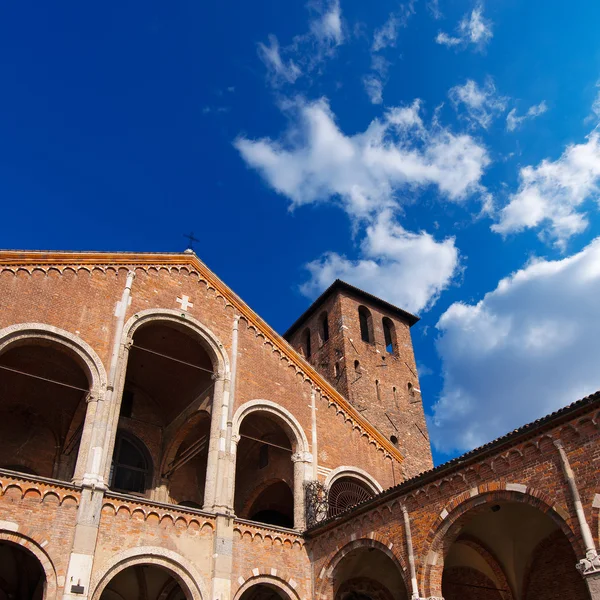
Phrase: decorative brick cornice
x=30 y=261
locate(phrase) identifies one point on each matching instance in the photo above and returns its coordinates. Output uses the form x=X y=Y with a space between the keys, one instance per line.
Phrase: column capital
x=305 y=457
x=590 y=565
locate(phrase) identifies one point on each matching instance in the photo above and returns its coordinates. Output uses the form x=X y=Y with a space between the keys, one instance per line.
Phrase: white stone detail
x=9 y=526
x=241 y=580
x=444 y=514
x=473 y=492
x=596 y=502
x=255 y=572
x=274 y=572
x=184 y=301
x=293 y=583
x=516 y=487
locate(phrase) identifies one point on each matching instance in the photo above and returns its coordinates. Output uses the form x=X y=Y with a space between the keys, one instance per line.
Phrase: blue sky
x=443 y=155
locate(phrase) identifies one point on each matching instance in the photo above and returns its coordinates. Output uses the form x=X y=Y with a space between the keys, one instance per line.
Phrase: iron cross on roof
x=192 y=239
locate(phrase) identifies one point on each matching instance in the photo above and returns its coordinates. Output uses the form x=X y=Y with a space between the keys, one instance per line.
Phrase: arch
x=213 y=345
x=84 y=354
x=51 y=587
x=451 y=520
x=269 y=580
x=180 y=568
x=357 y=473
x=361 y=543
x=289 y=422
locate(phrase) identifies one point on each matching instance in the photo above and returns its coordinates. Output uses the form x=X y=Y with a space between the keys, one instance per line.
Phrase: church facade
x=159 y=441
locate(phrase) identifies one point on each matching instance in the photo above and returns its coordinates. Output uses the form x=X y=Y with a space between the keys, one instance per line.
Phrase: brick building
x=158 y=440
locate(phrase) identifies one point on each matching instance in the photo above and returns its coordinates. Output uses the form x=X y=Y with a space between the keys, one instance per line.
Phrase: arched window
x=345 y=493
x=411 y=390
x=306 y=343
x=130 y=470
x=324 y=327
x=389 y=335
x=366 y=325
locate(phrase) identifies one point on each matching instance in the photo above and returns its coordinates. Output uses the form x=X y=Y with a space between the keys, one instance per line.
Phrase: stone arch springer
x=327 y=571
x=182 y=569
x=291 y=424
x=450 y=516
x=82 y=351
x=287 y=586
x=51 y=586
x=356 y=473
x=212 y=343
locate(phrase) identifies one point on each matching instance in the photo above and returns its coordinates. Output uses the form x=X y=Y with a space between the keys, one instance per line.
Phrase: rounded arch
x=269 y=580
x=288 y=421
x=356 y=473
x=361 y=543
x=182 y=570
x=212 y=344
x=445 y=532
x=82 y=352
x=51 y=587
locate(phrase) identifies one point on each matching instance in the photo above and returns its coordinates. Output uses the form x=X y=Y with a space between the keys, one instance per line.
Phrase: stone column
x=589 y=566
x=216 y=443
x=302 y=472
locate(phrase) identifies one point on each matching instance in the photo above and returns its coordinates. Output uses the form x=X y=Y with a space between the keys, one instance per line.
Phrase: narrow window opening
x=306 y=343
x=378 y=390
x=324 y=328
x=366 y=327
x=395 y=392
x=394 y=440
x=336 y=369
x=411 y=390
x=388 y=335
x=357 y=366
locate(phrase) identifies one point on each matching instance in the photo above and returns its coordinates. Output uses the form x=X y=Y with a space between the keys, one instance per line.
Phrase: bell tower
x=362 y=346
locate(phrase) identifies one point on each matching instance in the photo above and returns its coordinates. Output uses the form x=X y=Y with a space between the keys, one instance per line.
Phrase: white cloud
x=315 y=161
x=513 y=121
x=483 y=104
x=551 y=194
x=386 y=35
x=278 y=70
x=447 y=40
x=472 y=29
x=407 y=269
x=307 y=51
x=528 y=348
x=327 y=27
x=374 y=88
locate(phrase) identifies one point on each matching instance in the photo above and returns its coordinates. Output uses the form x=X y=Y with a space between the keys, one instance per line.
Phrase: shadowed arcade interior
x=264 y=472
x=147 y=582
x=263 y=592
x=165 y=411
x=43 y=391
x=511 y=551
x=21 y=575
x=368 y=574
